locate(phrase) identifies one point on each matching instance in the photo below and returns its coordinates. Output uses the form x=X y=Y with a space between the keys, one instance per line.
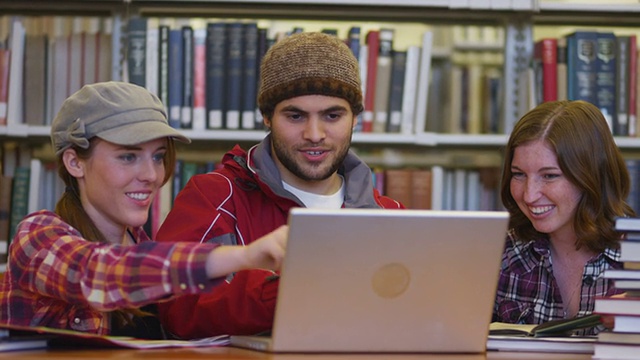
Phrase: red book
x=633 y=93
x=373 y=42
x=546 y=50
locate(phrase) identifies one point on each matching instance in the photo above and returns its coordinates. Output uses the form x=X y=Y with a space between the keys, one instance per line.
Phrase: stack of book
x=623 y=341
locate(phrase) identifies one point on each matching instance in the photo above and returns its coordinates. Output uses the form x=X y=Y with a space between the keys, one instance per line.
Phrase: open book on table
x=554 y=328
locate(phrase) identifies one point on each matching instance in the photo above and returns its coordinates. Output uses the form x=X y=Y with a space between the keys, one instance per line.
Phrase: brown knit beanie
x=309 y=63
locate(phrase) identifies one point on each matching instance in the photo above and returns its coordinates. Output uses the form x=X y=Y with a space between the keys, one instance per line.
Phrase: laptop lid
x=373 y=280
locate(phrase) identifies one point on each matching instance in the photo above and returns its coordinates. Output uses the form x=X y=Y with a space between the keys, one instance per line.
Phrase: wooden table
x=229 y=353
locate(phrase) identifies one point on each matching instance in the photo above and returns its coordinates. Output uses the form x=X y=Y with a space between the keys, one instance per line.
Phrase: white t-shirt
x=311 y=200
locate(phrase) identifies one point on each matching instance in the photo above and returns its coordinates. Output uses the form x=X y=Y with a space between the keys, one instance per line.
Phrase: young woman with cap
x=89 y=266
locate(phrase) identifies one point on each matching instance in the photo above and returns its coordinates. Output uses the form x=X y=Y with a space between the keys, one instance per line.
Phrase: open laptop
x=372 y=280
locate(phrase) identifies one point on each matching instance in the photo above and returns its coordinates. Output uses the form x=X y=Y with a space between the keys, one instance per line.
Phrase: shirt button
x=588 y=281
x=76 y=320
x=201 y=286
x=183 y=286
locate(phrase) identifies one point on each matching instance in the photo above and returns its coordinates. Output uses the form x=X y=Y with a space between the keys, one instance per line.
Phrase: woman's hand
x=265 y=253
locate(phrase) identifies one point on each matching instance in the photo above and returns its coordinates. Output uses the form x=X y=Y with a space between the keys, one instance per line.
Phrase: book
x=580 y=345
x=421 y=189
x=35 y=79
x=423 y=83
x=199 y=80
x=250 y=65
x=627 y=224
x=398 y=68
x=553 y=328
x=632 y=129
x=561 y=68
x=186 y=104
x=626 y=323
x=581 y=65
x=383 y=81
x=163 y=65
x=151 y=56
x=616 y=351
x=630 y=251
x=546 y=50
x=137 y=50
x=216 y=70
x=606 y=76
x=16 y=343
x=234 y=74
x=372 y=41
x=6 y=183
x=398 y=185
x=19 y=198
x=617 y=305
x=620 y=337
x=621 y=121
x=5 y=56
x=410 y=84
x=175 y=73
x=15 y=113
x=262 y=47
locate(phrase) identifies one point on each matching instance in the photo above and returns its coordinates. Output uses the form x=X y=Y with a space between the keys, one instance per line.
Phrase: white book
x=15 y=111
x=500 y=4
x=522 y=4
x=423 y=82
x=459 y=189
x=36 y=183
x=409 y=91
x=474 y=188
x=460 y=4
x=151 y=56
x=437 y=187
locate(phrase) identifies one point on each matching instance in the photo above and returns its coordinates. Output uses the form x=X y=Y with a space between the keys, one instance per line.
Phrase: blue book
x=249 y=92
x=216 y=49
x=581 y=66
x=606 y=76
x=235 y=65
x=175 y=77
x=263 y=46
x=136 y=50
x=186 y=112
x=398 y=66
x=353 y=41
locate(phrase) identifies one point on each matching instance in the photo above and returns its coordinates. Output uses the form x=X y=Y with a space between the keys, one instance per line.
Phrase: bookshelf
x=513 y=24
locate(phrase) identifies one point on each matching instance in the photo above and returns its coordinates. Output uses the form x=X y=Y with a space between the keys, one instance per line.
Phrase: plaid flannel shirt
x=56 y=278
x=528 y=293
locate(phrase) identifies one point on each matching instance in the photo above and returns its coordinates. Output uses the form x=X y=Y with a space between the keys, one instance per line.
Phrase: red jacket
x=237 y=204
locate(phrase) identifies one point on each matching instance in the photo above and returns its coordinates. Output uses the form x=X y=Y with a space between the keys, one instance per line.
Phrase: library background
x=444 y=82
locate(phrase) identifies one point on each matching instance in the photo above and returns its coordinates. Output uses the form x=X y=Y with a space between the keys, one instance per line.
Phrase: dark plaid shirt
x=528 y=293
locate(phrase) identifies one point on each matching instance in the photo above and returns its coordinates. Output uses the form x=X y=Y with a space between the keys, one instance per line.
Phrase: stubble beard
x=287 y=158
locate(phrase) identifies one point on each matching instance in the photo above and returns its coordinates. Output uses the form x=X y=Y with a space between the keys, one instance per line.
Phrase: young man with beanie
x=309 y=96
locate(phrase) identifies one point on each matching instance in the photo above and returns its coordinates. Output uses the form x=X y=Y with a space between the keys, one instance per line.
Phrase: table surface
x=230 y=353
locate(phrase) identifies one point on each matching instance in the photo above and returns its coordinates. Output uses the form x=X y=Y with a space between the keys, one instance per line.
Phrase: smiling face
x=541 y=190
x=311 y=136
x=117 y=183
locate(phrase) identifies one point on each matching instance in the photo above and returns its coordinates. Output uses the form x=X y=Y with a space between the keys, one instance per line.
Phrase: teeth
x=540 y=209
x=314 y=152
x=138 y=196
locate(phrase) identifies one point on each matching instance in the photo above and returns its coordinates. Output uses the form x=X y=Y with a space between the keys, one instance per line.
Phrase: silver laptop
x=371 y=280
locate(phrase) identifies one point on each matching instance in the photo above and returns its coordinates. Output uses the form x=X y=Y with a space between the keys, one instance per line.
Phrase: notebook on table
x=372 y=280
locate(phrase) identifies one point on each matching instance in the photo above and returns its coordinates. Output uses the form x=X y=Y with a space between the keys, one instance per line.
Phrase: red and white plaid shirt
x=56 y=278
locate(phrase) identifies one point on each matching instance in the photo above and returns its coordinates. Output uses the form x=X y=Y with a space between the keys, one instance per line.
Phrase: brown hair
x=70 y=209
x=588 y=156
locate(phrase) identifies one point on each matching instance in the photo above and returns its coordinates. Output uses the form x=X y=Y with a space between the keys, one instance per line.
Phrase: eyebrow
x=323 y=111
x=546 y=168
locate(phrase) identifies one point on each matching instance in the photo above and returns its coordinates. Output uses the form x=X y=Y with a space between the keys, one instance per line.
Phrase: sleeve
x=51 y=258
x=244 y=305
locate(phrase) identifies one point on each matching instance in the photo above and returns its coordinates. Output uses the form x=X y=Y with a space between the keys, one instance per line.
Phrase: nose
x=150 y=171
x=531 y=190
x=314 y=130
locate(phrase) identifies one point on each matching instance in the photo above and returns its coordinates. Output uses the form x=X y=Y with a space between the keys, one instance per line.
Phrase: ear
x=355 y=122
x=72 y=162
x=266 y=122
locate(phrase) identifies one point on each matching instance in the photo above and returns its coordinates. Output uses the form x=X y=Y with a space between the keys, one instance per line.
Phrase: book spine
x=151 y=56
x=175 y=77
x=383 y=81
x=249 y=75
x=581 y=58
x=353 y=41
x=633 y=80
x=409 y=89
x=136 y=50
x=163 y=65
x=216 y=70
x=19 y=198
x=606 y=76
x=621 y=121
x=35 y=62
x=235 y=50
x=199 y=79
x=186 y=115
x=423 y=82
x=373 y=47
x=561 y=68
x=263 y=46
x=398 y=69
x=5 y=56
x=549 y=54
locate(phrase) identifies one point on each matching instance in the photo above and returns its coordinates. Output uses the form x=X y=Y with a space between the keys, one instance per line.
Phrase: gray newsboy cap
x=118 y=112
